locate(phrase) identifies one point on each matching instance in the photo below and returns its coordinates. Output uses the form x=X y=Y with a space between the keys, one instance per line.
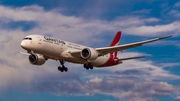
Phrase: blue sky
x=93 y=23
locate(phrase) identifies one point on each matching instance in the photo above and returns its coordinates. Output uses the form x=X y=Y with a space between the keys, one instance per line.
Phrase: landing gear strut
x=88 y=66
x=63 y=68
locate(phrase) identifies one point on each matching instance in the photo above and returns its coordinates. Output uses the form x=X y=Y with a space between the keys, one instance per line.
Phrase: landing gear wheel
x=63 y=68
x=85 y=65
x=91 y=67
x=66 y=69
x=88 y=66
x=59 y=68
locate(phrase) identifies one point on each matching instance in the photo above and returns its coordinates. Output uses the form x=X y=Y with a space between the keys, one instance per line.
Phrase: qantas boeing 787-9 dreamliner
x=42 y=48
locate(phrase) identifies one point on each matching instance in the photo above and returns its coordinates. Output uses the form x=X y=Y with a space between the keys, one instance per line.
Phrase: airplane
x=41 y=48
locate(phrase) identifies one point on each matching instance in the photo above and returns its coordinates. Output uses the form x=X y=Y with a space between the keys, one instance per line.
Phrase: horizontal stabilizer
x=131 y=58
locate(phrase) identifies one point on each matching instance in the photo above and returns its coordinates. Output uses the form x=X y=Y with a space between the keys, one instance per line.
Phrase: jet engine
x=89 y=54
x=37 y=59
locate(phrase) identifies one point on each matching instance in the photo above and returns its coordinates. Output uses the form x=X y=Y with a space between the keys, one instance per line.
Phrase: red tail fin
x=116 y=41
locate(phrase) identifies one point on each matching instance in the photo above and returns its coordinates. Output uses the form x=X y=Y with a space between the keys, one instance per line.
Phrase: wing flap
x=76 y=53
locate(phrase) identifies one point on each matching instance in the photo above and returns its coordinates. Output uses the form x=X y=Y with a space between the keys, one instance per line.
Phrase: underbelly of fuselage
x=58 y=54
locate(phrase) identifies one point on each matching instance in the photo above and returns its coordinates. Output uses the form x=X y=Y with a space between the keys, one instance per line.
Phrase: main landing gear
x=63 y=68
x=88 y=66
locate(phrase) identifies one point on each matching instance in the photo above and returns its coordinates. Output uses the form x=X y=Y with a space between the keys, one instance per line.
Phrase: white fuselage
x=56 y=49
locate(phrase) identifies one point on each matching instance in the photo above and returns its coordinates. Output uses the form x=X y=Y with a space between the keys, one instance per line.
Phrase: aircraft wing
x=107 y=50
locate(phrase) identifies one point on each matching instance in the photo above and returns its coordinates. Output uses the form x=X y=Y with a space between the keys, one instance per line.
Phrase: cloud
x=154 y=30
x=143 y=11
x=177 y=97
x=177 y=4
x=150 y=89
x=120 y=88
x=59 y=25
x=132 y=72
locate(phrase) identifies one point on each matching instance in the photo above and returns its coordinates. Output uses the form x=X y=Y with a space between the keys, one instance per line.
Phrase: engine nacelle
x=89 y=54
x=36 y=59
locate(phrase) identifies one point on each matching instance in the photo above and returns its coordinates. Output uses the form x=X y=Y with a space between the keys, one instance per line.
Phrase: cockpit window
x=27 y=38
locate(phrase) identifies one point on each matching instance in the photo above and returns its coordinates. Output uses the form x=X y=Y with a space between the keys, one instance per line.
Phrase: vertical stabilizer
x=116 y=41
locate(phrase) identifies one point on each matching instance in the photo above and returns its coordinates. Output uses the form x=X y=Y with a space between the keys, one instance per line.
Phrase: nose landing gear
x=63 y=68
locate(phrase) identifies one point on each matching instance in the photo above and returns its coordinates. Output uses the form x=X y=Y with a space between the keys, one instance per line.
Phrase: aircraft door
x=61 y=45
x=39 y=40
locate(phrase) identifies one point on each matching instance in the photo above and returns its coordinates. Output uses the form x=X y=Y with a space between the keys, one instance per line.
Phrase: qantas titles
x=53 y=40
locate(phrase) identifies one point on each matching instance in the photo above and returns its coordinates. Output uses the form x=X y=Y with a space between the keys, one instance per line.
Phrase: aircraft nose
x=23 y=44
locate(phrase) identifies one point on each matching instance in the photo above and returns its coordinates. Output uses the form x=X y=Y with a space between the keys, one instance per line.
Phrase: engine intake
x=36 y=59
x=89 y=54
